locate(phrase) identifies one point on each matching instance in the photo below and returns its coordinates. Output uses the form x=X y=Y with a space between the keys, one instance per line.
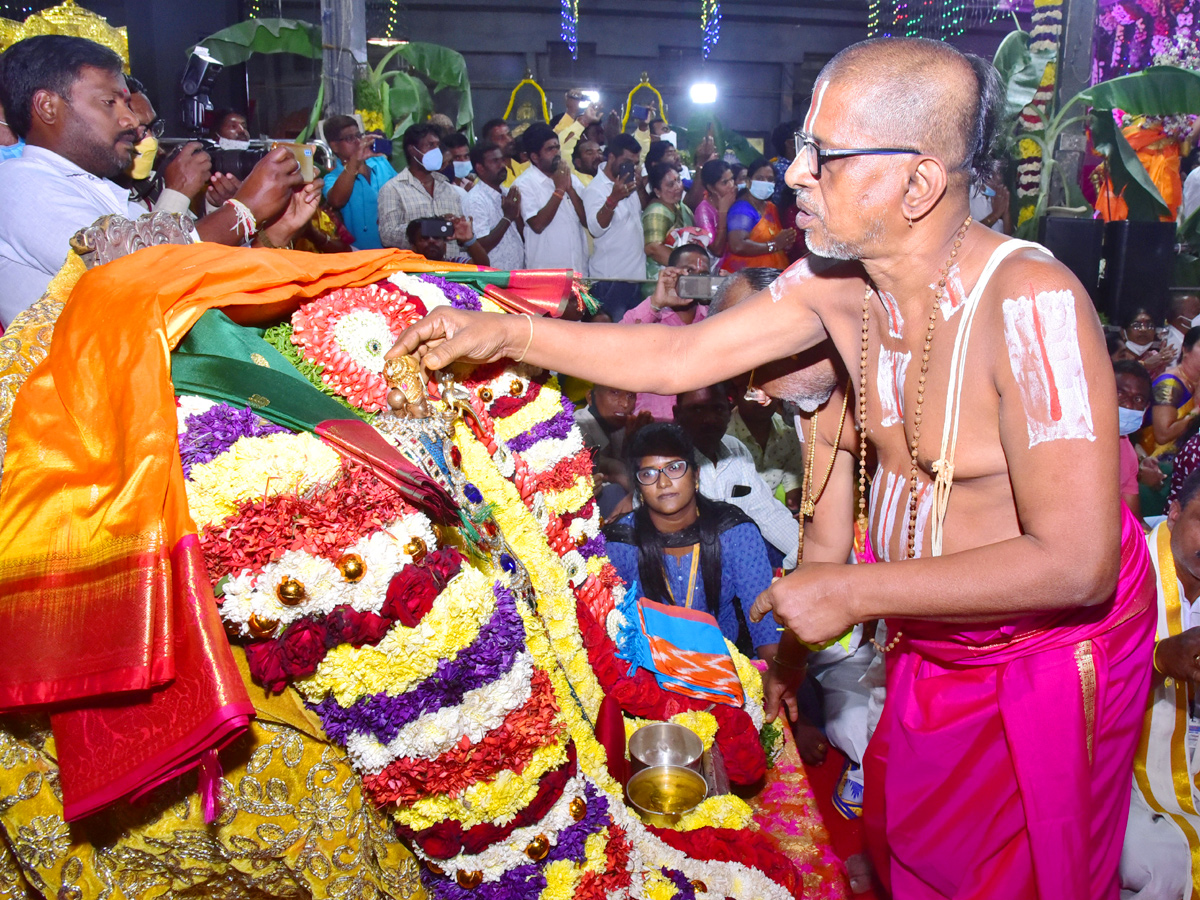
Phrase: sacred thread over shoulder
x=1043 y=348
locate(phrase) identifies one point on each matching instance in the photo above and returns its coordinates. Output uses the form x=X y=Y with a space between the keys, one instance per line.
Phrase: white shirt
x=621 y=247
x=483 y=206
x=781 y=463
x=1191 y=194
x=981 y=207
x=562 y=244
x=44 y=200
x=729 y=477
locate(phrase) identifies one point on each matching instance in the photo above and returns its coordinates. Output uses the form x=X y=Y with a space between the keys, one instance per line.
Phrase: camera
x=701 y=288
x=435 y=227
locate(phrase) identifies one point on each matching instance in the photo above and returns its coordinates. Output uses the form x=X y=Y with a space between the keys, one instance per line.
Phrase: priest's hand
x=447 y=335
x=1179 y=657
x=810 y=601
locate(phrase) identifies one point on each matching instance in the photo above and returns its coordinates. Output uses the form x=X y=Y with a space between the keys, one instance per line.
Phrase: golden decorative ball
x=538 y=848
x=578 y=809
x=469 y=880
x=485 y=395
x=352 y=567
x=515 y=387
x=700 y=886
x=416 y=549
x=260 y=627
x=291 y=592
x=434 y=868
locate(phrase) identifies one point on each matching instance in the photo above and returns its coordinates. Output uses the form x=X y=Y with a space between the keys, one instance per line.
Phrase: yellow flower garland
x=497 y=801
x=562 y=877
x=545 y=406
x=702 y=724
x=257 y=467
x=724 y=811
x=556 y=600
x=406 y=656
x=571 y=498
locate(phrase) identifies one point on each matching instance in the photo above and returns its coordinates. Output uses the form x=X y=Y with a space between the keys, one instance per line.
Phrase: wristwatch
x=770 y=246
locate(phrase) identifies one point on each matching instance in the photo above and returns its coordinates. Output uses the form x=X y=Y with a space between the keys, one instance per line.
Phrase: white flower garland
x=364 y=335
x=482 y=710
x=429 y=294
x=510 y=853
x=548 y=452
x=383 y=555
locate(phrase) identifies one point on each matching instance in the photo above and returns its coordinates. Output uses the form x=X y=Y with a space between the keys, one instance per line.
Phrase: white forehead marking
x=810 y=122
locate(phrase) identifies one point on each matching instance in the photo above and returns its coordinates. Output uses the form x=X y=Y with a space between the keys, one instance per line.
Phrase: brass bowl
x=663 y=794
x=665 y=744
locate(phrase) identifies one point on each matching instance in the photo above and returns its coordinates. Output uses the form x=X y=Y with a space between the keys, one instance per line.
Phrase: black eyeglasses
x=675 y=470
x=157 y=128
x=816 y=157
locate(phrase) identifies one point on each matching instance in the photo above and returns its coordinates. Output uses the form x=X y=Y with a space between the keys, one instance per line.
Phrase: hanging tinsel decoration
x=570 y=26
x=710 y=22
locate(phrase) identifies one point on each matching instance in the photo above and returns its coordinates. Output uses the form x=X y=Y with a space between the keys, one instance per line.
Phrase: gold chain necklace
x=808 y=497
x=915 y=441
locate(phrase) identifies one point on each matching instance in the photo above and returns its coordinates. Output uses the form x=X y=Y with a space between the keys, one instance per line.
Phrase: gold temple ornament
x=67 y=19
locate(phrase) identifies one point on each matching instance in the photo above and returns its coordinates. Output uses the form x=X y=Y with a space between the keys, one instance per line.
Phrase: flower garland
x=262 y=529
x=425 y=292
x=209 y=433
x=508 y=745
x=701 y=723
x=406 y=655
x=347 y=331
x=255 y=467
x=381 y=716
x=460 y=295
x=280 y=337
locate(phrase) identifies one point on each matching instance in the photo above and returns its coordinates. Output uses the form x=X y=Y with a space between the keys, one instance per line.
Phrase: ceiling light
x=703 y=92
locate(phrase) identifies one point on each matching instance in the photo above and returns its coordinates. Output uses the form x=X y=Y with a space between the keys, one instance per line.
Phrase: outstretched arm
x=1059 y=447
x=650 y=358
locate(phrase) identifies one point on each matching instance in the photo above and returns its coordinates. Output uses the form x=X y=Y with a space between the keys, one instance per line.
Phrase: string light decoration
x=254 y=9
x=937 y=19
x=710 y=22
x=570 y=26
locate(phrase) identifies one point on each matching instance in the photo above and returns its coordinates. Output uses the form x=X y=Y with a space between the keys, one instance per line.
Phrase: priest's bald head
x=897 y=128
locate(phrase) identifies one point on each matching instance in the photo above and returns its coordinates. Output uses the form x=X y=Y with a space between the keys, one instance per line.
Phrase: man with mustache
x=1018 y=654
x=67 y=97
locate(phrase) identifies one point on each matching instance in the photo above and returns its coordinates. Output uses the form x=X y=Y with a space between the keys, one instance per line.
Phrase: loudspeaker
x=1079 y=245
x=1138 y=260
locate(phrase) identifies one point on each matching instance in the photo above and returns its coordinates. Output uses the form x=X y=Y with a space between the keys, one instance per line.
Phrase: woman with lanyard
x=686 y=550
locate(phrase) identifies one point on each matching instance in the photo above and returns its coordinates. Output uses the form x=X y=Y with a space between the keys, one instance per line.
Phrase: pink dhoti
x=1003 y=761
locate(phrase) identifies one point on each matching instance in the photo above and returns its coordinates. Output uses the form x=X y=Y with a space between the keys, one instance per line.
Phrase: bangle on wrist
x=560 y=193
x=1154 y=658
x=469 y=243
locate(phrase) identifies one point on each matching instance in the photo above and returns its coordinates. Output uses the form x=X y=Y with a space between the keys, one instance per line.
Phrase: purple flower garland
x=527 y=882
x=683 y=888
x=211 y=433
x=487 y=658
x=460 y=296
x=557 y=427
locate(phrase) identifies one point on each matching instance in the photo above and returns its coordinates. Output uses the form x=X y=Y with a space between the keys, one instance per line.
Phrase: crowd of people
x=715 y=480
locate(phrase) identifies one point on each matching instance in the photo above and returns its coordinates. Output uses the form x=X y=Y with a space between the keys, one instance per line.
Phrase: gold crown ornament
x=68 y=19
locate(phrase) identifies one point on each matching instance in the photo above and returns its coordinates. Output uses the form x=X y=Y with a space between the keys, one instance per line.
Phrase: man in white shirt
x=613 y=205
x=727 y=469
x=495 y=214
x=551 y=205
x=68 y=98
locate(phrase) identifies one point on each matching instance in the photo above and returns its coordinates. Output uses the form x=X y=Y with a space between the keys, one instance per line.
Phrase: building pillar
x=1074 y=74
x=344 y=33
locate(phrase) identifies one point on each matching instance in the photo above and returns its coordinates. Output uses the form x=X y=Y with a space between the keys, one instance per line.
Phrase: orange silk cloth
x=1159 y=153
x=92 y=503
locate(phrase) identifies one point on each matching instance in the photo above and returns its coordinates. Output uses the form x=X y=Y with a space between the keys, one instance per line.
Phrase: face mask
x=1130 y=420
x=741 y=186
x=1139 y=349
x=762 y=190
x=228 y=144
x=432 y=159
x=670 y=138
x=462 y=168
x=145 y=152
x=1195 y=321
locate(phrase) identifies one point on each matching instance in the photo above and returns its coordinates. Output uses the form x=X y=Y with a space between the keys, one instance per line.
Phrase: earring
x=909 y=221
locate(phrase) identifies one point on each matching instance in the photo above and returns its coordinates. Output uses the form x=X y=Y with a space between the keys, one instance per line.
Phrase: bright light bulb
x=703 y=92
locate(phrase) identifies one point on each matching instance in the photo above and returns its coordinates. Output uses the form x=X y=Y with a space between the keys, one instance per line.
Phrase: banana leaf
x=1141 y=196
x=725 y=138
x=1155 y=91
x=237 y=43
x=1189 y=230
x=1020 y=71
x=446 y=68
x=408 y=102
